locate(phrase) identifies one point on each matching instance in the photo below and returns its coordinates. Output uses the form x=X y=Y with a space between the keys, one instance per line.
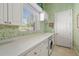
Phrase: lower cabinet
x=34 y=52
x=44 y=48
x=39 y=50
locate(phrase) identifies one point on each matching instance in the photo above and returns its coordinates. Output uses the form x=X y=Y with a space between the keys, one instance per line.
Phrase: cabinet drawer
x=39 y=50
x=35 y=52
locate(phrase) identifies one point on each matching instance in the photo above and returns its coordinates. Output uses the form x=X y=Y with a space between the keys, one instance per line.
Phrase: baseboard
x=76 y=51
x=64 y=46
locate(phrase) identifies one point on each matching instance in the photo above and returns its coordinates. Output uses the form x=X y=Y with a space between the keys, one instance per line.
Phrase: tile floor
x=62 y=51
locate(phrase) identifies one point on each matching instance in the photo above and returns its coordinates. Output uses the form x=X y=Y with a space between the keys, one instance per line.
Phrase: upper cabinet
x=1 y=13
x=5 y=13
x=10 y=13
x=17 y=13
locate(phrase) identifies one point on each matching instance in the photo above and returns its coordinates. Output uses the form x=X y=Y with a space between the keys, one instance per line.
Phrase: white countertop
x=21 y=44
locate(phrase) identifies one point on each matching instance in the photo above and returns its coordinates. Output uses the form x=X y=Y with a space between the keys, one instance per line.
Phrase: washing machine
x=50 y=45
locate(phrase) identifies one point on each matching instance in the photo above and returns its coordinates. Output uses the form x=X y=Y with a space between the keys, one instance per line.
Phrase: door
x=63 y=28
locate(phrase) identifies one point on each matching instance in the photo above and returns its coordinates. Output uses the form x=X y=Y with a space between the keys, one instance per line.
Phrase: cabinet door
x=44 y=48
x=35 y=52
x=1 y=13
x=10 y=13
x=17 y=13
x=5 y=12
x=40 y=50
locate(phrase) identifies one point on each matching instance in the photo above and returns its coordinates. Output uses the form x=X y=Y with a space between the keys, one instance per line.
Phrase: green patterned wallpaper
x=7 y=31
x=10 y=31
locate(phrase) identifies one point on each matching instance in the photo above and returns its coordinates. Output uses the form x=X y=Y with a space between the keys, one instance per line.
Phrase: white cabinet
x=17 y=13
x=34 y=52
x=5 y=13
x=44 y=48
x=11 y=13
x=39 y=50
x=1 y=13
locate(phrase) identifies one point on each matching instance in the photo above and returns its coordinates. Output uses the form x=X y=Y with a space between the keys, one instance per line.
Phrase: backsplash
x=7 y=31
x=10 y=31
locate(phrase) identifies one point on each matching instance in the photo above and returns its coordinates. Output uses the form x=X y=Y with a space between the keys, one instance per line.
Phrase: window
x=30 y=19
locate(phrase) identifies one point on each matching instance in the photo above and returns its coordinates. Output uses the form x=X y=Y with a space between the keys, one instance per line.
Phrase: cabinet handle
x=5 y=22
x=35 y=53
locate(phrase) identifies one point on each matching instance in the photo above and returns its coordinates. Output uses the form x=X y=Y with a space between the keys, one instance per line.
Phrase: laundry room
x=39 y=29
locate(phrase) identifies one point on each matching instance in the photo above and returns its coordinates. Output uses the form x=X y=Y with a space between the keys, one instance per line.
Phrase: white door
x=63 y=28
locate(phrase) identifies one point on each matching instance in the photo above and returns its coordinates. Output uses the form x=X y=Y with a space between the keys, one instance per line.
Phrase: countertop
x=22 y=44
